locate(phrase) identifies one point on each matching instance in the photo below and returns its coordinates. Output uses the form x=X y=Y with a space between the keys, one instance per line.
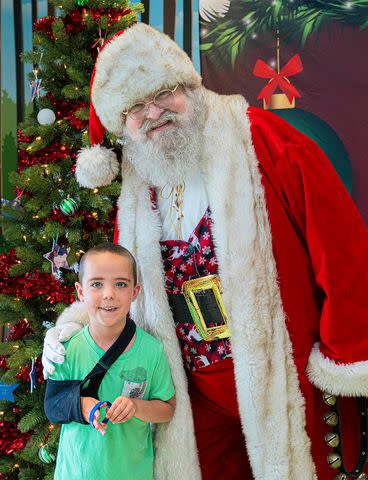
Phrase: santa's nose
x=154 y=112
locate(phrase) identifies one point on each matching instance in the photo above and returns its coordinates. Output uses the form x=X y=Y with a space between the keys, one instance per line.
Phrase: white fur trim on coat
x=96 y=166
x=349 y=379
x=134 y=65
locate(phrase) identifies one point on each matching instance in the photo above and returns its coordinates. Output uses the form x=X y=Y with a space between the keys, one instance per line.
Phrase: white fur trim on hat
x=96 y=166
x=134 y=65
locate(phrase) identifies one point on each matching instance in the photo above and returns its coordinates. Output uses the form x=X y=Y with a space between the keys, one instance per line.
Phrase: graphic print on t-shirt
x=135 y=382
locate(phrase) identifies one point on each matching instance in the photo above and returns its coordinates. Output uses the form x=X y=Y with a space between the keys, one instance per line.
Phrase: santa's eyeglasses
x=163 y=99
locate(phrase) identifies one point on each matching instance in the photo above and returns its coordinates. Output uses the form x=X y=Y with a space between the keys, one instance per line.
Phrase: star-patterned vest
x=184 y=261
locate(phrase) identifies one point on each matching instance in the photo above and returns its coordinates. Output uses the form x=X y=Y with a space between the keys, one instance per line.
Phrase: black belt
x=207 y=303
x=180 y=309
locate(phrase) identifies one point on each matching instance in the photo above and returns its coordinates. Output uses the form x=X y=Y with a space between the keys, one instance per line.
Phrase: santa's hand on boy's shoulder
x=122 y=410
x=87 y=404
x=53 y=350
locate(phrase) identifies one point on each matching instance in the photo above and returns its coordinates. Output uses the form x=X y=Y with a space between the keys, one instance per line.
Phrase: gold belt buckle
x=192 y=291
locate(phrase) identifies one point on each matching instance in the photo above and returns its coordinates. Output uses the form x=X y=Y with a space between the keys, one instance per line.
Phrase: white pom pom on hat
x=131 y=65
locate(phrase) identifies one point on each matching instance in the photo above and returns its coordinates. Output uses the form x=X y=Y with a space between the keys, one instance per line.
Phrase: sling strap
x=96 y=375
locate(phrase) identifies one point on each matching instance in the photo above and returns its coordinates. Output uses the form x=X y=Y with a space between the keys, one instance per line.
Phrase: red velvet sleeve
x=333 y=230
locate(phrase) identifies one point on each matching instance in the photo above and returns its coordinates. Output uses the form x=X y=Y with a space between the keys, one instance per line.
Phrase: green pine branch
x=248 y=20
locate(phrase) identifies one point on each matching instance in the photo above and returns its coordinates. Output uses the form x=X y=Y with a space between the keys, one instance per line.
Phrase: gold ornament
x=329 y=399
x=332 y=439
x=362 y=476
x=341 y=476
x=334 y=460
x=331 y=418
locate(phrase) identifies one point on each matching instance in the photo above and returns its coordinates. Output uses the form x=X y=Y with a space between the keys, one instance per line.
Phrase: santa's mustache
x=149 y=124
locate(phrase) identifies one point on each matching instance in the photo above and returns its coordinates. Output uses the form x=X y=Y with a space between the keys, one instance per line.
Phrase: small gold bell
x=341 y=476
x=329 y=399
x=332 y=439
x=334 y=460
x=362 y=476
x=331 y=418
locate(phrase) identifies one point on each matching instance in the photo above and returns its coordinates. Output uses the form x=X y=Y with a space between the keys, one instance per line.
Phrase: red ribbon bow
x=261 y=69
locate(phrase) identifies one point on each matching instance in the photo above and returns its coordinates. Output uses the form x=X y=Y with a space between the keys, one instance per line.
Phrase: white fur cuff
x=349 y=380
x=76 y=313
x=96 y=166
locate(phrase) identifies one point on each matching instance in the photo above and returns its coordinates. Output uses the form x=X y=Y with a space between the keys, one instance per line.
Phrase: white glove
x=53 y=350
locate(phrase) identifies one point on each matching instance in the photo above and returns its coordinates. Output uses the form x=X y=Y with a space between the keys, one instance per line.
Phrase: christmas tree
x=51 y=222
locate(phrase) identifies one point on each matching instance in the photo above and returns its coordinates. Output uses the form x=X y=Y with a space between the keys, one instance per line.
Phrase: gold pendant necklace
x=176 y=196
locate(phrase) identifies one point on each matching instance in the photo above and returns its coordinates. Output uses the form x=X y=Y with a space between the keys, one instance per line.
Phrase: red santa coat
x=292 y=254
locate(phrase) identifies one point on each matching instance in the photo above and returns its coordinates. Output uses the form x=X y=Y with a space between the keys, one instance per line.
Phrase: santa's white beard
x=173 y=154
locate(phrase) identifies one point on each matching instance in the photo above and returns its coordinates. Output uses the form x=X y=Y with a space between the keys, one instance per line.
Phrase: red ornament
x=3 y=362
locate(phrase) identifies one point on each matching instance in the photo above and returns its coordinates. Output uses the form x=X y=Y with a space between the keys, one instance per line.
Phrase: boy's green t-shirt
x=126 y=451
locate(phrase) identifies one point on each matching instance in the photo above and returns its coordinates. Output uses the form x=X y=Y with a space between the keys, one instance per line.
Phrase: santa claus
x=216 y=191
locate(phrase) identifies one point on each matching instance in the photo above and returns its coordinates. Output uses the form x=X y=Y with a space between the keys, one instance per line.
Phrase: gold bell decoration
x=331 y=418
x=329 y=399
x=341 y=476
x=362 y=476
x=332 y=439
x=334 y=460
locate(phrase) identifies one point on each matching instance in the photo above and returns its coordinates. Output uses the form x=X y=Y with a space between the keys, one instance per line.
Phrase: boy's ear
x=79 y=290
x=136 y=291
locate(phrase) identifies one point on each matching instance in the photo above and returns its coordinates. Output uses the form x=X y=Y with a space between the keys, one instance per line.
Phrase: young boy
x=138 y=383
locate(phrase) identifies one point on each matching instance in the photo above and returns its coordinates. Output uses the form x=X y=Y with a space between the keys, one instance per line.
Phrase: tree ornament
x=32 y=375
x=6 y=391
x=35 y=86
x=14 y=203
x=45 y=456
x=46 y=116
x=69 y=205
x=58 y=258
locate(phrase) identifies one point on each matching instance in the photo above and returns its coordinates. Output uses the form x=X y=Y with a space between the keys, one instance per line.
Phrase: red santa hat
x=132 y=65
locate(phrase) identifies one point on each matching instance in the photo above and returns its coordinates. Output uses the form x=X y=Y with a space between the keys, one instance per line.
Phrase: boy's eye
x=96 y=284
x=121 y=284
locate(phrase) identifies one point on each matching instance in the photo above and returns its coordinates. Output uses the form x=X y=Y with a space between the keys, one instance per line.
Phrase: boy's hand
x=87 y=403
x=121 y=410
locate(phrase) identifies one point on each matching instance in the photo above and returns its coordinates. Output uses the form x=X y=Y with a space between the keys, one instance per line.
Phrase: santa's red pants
x=220 y=440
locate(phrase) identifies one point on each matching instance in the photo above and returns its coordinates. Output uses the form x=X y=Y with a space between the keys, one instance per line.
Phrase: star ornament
x=7 y=391
x=57 y=256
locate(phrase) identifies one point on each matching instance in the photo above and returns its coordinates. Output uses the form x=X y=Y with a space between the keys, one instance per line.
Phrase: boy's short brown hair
x=112 y=248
